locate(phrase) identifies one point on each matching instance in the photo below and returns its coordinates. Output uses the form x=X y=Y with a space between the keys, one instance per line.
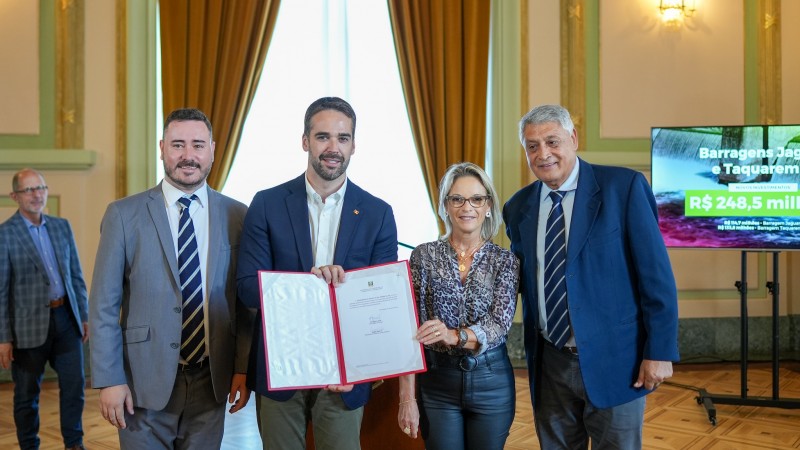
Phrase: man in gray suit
x=43 y=310
x=171 y=339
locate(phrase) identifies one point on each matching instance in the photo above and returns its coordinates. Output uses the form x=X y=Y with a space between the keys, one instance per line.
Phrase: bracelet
x=407 y=401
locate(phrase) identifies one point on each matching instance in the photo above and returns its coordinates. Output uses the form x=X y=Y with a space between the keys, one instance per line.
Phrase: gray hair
x=544 y=114
x=491 y=225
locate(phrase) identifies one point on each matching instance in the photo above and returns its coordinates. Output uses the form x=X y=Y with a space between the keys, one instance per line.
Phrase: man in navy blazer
x=620 y=291
x=43 y=310
x=323 y=223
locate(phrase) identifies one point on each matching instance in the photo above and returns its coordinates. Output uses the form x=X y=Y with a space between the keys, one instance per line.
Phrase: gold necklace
x=464 y=255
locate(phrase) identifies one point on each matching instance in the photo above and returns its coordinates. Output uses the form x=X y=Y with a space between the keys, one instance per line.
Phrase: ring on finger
x=407 y=430
x=437 y=333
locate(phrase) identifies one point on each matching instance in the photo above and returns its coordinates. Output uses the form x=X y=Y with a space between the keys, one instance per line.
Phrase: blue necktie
x=555 y=285
x=193 y=334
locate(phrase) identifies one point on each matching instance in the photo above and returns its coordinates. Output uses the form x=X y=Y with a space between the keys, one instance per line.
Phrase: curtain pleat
x=443 y=54
x=212 y=55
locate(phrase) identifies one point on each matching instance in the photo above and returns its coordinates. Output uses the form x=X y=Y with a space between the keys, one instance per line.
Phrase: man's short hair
x=186 y=115
x=18 y=175
x=544 y=114
x=326 y=103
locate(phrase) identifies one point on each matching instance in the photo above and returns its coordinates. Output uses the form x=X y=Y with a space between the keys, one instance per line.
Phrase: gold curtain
x=212 y=54
x=443 y=54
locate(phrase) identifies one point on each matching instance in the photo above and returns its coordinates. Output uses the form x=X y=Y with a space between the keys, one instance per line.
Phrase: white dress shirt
x=323 y=219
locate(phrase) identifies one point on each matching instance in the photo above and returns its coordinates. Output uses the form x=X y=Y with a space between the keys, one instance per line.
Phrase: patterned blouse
x=485 y=302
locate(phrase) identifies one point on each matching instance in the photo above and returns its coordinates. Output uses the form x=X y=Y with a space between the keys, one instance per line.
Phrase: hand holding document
x=362 y=330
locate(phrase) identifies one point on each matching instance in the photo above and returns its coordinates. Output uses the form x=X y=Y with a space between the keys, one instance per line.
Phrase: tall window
x=338 y=48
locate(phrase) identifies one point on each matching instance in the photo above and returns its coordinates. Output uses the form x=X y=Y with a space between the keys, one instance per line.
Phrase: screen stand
x=708 y=399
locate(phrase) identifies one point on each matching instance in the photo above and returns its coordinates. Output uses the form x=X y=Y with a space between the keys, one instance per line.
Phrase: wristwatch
x=463 y=337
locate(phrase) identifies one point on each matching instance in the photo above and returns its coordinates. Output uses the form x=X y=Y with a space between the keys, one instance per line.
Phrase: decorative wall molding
x=573 y=63
x=142 y=111
x=709 y=340
x=59 y=145
x=506 y=100
x=634 y=160
x=8 y=206
x=70 y=24
x=51 y=159
x=121 y=151
x=769 y=61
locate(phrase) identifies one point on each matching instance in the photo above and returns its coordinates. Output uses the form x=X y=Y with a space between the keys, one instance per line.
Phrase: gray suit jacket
x=135 y=307
x=24 y=284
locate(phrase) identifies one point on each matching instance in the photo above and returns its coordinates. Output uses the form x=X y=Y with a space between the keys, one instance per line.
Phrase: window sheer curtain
x=212 y=55
x=443 y=54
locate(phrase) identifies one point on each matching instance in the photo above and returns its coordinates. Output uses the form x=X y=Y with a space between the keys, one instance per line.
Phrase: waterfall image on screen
x=728 y=186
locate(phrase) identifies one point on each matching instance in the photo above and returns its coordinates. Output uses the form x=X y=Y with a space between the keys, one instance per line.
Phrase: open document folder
x=362 y=330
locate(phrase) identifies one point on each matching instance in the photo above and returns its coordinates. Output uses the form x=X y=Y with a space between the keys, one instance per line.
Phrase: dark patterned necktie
x=193 y=334
x=555 y=286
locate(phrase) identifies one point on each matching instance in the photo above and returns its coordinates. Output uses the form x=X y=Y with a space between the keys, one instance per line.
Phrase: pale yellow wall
x=657 y=75
x=653 y=75
x=790 y=61
x=790 y=80
x=790 y=83
x=544 y=53
x=82 y=194
x=704 y=277
x=19 y=70
x=94 y=188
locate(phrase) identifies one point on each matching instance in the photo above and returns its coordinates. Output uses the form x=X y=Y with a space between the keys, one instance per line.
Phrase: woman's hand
x=408 y=418
x=434 y=330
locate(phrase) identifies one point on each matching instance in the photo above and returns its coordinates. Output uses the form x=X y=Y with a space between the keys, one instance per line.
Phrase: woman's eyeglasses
x=457 y=201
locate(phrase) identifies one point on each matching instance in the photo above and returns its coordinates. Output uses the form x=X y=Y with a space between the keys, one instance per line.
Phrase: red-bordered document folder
x=363 y=330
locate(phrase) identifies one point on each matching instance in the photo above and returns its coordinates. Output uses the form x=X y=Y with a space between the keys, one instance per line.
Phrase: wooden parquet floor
x=673 y=419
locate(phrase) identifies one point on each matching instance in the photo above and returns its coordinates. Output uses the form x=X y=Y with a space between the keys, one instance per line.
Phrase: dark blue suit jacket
x=277 y=236
x=620 y=287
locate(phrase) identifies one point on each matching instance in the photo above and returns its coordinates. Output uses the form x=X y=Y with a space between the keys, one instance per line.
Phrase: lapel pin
x=355 y=211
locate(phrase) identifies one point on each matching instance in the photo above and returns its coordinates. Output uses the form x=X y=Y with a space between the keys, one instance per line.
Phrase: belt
x=565 y=349
x=57 y=302
x=466 y=363
x=193 y=366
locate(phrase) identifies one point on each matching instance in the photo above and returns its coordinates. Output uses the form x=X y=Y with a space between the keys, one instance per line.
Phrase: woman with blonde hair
x=466 y=289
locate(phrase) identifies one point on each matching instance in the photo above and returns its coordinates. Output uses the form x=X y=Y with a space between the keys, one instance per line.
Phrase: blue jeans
x=467 y=403
x=565 y=418
x=63 y=349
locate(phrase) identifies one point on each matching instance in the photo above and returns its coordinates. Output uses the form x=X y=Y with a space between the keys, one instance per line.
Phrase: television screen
x=728 y=186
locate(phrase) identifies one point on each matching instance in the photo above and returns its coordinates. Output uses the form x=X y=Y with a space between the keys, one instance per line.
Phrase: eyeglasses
x=457 y=201
x=32 y=189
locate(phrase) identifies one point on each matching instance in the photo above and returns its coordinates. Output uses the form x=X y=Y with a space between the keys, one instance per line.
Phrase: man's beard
x=178 y=182
x=328 y=174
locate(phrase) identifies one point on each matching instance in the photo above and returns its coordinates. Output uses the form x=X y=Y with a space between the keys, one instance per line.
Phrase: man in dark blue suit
x=43 y=311
x=323 y=223
x=601 y=333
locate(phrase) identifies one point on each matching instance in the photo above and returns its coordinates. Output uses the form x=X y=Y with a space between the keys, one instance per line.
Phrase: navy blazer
x=25 y=285
x=620 y=286
x=277 y=236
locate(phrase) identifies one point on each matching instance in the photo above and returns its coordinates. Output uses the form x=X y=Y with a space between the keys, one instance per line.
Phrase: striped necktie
x=193 y=334
x=555 y=286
